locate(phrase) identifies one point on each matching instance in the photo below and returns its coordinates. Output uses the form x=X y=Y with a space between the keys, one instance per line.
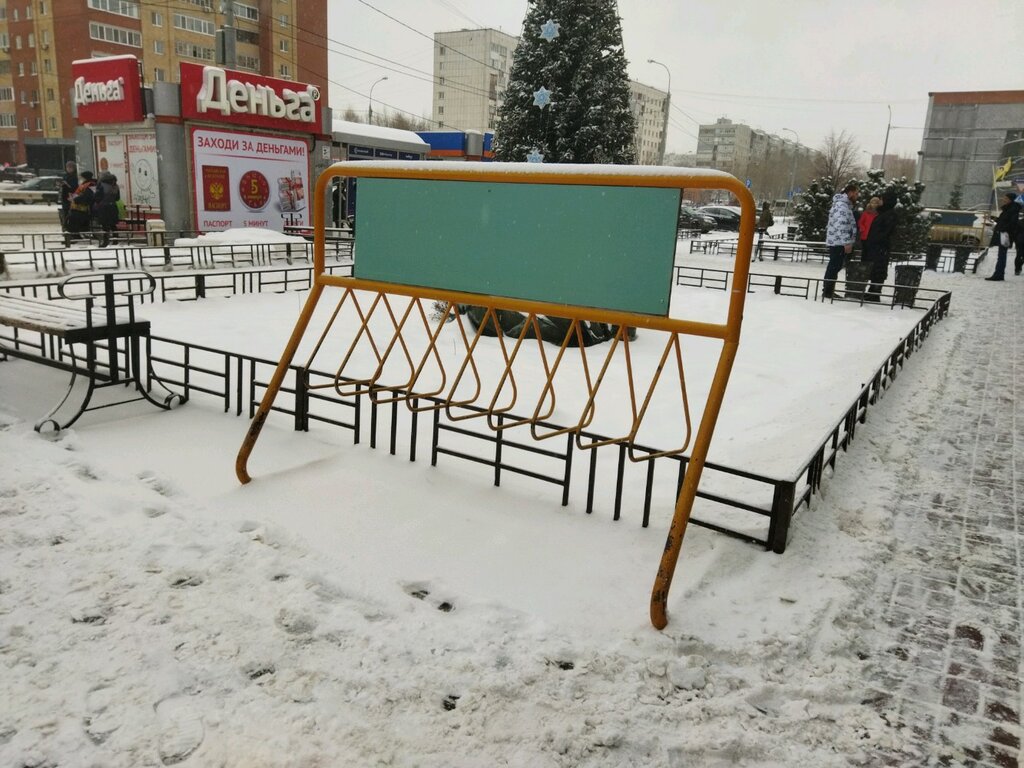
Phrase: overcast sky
x=812 y=66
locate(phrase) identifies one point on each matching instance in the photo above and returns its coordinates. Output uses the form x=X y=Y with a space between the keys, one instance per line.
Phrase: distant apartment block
x=649 y=107
x=471 y=69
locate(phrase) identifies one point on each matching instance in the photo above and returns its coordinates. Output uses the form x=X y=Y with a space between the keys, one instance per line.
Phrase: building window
x=119 y=7
x=6 y=94
x=284 y=20
x=194 y=24
x=158 y=47
x=31 y=39
x=158 y=75
x=440 y=95
x=283 y=45
x=5 y=41
x=251 y=63
x=440 y=81
x=247 y=12
x=119 y=35
x=3 y=12
x=28 y=11
x=34 y=98
x=193 y=51
x=5 y=66
x=156 y=18
x=441 y=53
x=15 y=16
x=49 y=94
x=47 y=66
x=17 y=42
x=44 y=37
x=21 y=69
x=39 y=123
x=21 y=96
x=32 y=68
x=247 y=36
x=53 y=123
x=42 y=7
x=24 y=124
x=7 y=121
x=285 y=71
x=440 y=65
x=206 y=5
x=440 y=110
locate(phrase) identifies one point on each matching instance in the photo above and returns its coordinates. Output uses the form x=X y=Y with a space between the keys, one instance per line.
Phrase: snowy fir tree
x=956 y=197
x=567 y=99
x=811 y=211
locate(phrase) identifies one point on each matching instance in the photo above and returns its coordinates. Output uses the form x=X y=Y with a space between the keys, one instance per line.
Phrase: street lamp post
x=885 y=146
x=369 y=111
x=792 y=172
x=668 y=99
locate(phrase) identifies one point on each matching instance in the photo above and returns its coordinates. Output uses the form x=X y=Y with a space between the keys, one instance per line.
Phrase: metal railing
x=238 y=382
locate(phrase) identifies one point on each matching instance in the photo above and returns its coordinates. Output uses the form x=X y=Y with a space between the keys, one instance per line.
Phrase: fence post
x=301 y=401
x=778 y=283
x=782 y=513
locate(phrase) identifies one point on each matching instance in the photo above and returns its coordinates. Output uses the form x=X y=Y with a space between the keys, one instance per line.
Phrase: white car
x=43 y=189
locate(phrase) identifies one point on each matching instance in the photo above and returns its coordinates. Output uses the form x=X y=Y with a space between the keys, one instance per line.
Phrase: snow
x=380 y=132
x=674 y=174
x=240 y=236
x=352 y=608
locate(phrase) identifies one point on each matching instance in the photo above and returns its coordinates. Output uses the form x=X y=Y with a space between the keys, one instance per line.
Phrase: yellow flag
x=1001 y=170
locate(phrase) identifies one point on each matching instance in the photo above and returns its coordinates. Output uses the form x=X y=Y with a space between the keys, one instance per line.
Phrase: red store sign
x=108 y=90
x=243 y=98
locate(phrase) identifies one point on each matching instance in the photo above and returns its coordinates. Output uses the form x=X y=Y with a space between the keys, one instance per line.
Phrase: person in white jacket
x=841 y=234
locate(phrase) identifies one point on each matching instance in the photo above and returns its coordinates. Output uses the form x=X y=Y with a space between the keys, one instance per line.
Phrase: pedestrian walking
x=107 y=213
x=1005 y=233
x=68 y=184
x=840 y=235
x=878 y=244
x=764 y=221
x=80 y=208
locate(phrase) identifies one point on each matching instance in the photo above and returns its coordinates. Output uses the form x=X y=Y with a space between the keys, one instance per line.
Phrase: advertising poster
x=110 y=156
x=142 y=186
x=249 y=180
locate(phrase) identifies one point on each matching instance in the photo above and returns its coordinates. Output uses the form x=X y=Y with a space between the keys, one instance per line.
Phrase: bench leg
x=165 y=399
x=49 y=422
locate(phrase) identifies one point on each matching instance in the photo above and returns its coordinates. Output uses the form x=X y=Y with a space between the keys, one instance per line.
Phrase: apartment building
x=39 y=39
x=650 y=108
x=471 y=68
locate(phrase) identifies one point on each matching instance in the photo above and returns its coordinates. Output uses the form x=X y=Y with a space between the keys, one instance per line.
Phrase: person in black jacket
x=878 y=244
x=1005 y=233
x=80 y=210
x=68 y=184
x=105 y=205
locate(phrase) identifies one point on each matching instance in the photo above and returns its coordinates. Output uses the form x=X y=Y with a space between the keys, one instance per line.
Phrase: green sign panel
x=605 y=247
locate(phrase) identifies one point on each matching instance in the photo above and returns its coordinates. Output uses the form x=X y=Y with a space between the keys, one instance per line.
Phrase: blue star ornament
x=541 y=97
x=549 y=30
x=535 y=156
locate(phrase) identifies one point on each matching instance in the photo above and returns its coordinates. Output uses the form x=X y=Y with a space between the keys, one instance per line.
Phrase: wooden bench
x=100 y=342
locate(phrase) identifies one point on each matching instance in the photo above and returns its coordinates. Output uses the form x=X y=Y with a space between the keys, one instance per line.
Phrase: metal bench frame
x=108 y=330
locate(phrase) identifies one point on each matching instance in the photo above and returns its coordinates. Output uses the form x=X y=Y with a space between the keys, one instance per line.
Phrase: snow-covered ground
x=351 y=608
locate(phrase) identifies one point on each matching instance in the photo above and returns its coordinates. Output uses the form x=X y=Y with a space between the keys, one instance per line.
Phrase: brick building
x=39 y=40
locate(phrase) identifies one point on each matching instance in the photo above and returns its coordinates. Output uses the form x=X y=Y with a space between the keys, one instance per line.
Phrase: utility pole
x=792 y=172
x=369 y=109
x=885 y=147
x=226 y=38
x=668 y=98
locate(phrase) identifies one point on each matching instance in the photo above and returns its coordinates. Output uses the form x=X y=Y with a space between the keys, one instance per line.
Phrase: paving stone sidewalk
x=946 y=667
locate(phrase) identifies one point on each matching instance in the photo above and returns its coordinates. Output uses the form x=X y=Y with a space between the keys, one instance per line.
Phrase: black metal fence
x=772 y=249
x=753 y=507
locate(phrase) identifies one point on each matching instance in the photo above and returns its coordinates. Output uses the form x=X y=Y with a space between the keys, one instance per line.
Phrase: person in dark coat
x=878 y=244
x=108 y=193
x=764 y=221
x=1005 y=233
x=80 y=210
x=68 y=184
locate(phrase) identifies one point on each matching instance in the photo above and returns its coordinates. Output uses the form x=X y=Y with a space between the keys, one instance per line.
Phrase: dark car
x=691 y=218
x=725 y=216
x=16 y=173
x=44 y=189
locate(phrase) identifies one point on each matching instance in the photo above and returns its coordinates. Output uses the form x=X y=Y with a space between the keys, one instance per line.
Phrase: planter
x=963 y=252
x=858 y=273
x=932 y=256
x=908 y=280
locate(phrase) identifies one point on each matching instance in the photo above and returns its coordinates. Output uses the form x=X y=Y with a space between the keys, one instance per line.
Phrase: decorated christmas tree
x=567 y=99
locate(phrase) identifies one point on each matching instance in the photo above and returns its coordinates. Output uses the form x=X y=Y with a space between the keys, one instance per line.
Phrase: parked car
x=43 y=189
x=17 y=173
x=951 y=227
x=725 y=216
x=691 y=218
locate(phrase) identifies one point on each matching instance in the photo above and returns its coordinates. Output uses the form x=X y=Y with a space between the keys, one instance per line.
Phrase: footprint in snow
x=420 y=592
x=181 y=729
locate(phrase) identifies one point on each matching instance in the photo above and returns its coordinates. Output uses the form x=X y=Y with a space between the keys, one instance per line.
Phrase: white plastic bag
x=1004 y=239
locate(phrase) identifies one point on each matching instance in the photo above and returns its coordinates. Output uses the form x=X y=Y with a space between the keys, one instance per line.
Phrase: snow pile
x=240 y=236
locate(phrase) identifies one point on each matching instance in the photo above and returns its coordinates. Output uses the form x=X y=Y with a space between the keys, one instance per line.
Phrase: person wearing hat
x=105 y=205
x=840 y=235
x=80 y=209
x=1005 y=233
